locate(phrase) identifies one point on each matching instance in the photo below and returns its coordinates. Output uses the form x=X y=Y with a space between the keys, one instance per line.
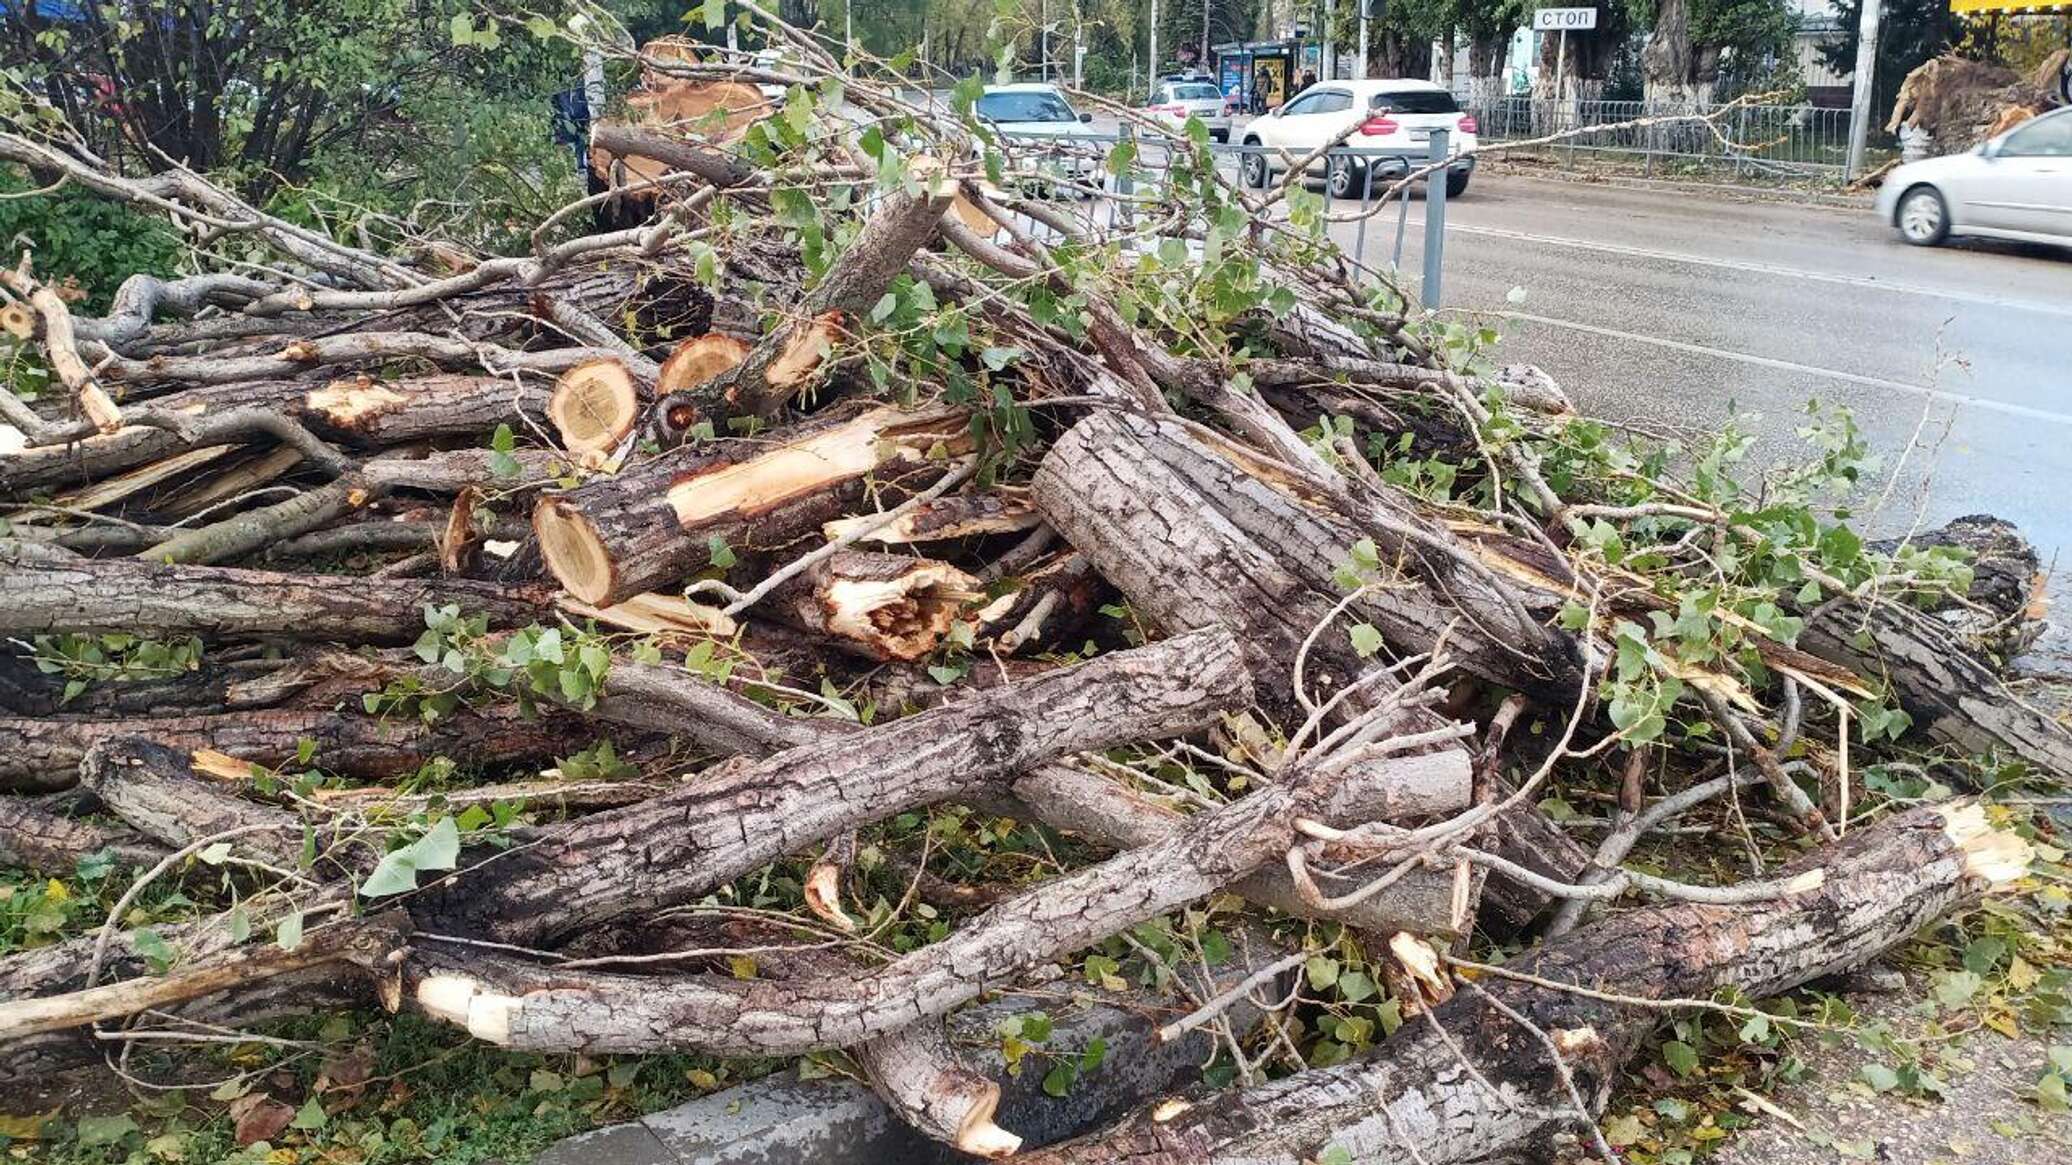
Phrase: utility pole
x=1043 y=54
x=1327 y=61
x=848 y=30
x=1360 y=69
x=1078 y=50
x=1151 y=65
x=1203 y=61
x=1866 y=80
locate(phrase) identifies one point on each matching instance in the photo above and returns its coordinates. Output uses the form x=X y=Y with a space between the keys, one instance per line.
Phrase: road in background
x=1680 y=306
x=1677 y=306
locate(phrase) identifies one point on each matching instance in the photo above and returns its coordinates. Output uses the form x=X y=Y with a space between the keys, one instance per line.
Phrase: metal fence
x=1080 y=194
x=1789 y=141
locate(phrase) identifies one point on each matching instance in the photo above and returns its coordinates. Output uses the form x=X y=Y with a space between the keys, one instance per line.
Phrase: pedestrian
x=1308 y=79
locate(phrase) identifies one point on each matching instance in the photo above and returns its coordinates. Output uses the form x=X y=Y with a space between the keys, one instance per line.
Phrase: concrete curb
x=1835 y=200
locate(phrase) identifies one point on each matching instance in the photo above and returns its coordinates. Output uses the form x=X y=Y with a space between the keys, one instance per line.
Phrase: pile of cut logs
x=386 y=490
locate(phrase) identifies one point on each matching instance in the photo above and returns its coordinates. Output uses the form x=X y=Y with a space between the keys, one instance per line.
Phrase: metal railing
x=1069 y=172
x=1793 y=141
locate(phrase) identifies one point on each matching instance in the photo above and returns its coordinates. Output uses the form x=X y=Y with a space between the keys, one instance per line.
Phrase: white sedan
x=2015 y=186
x=1395 y=117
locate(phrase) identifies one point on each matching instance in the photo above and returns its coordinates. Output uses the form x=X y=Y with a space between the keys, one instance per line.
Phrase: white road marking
x=1937 y=394
x=1758 y=268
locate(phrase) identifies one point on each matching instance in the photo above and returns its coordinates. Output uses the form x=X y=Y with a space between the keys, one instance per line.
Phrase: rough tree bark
x=1412 y=1099
x=39 y=596
x=667 y=850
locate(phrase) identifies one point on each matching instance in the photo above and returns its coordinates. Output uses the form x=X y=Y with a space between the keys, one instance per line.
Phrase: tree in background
x=1182 y=35
x=257 y=88
x=1912 y=32
x=1400 y=34
x=1690 y=38
x=1590 y=55
x=1489 y=26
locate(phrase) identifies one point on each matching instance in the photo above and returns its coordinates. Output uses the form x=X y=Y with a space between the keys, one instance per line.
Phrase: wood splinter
x=879 y=605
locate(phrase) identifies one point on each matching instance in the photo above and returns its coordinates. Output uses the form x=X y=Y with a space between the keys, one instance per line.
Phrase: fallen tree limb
x=655 y=523
x=43 y=596
x=1884 y=884
x=677 y=846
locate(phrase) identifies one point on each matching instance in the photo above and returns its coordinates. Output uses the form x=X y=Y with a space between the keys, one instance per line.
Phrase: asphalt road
x=1679 y=306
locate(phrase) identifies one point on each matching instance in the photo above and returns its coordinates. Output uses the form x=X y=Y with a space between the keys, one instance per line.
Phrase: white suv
x=1394 y=116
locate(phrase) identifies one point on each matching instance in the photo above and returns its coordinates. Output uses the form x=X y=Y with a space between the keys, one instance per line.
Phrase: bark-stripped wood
x=881 y=606
x=654 y=524
x=1412 y=1100
x=594 y=406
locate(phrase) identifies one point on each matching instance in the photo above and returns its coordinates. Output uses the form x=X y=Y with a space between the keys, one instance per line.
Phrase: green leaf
x=1681 y=1057
x=1354 y=986
x=2050 y=1093
x=715 y=15
x=1366 y=639
x=719 y=552
x=288 y=935
x=396 y=873
x=997 y=358
x=310 y=1117
x=1880 y=1077
x=1058 y=1081
x=547 y=645
x=1036 y=1026
x=1955 y=988
x=94 y=1131
x=1096 y=1052
x=157 y=951
x=1322 y=972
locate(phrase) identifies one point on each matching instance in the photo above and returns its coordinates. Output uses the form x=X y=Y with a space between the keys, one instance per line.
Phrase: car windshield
x=1024 y=107
x=1415 y=101
x=1196 y=93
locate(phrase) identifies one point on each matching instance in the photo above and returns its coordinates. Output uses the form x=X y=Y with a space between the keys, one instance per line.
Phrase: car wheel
x=1345 y=178
x=1255 y=168
x=1923 y=218
x=1456 y=185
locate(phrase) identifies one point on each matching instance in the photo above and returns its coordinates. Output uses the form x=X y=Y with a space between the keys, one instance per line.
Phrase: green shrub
x=74 y=234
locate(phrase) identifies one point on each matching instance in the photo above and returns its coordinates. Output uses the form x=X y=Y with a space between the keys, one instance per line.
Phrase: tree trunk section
x=654 y=524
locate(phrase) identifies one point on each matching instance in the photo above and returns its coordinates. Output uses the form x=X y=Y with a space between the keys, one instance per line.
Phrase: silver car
x=1174 y=101
x=2015 y=186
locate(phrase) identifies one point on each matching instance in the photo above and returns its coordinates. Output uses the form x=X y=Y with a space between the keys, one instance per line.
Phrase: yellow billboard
x=1986 y=7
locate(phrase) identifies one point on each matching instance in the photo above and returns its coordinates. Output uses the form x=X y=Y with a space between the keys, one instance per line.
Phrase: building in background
x=1819 y=25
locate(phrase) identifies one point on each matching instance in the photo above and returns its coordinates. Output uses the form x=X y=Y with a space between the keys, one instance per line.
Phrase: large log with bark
x=656 y=522
x=1421 y=1095
x=675 y=847
x=43 y=595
